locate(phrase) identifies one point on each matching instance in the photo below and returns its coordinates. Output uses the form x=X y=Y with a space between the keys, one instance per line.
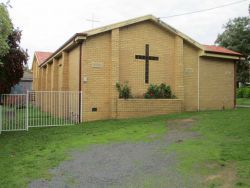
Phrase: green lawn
x=243 y=101
x=224 y=140
x=224 y=145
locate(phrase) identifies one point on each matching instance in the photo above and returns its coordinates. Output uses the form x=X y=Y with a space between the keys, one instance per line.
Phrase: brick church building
x=139 y=51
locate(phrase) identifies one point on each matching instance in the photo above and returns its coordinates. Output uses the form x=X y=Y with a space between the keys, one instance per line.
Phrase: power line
x=204 y=10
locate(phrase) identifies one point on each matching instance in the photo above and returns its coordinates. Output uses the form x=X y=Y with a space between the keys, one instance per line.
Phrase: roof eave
x=177 y=32
x=223 y=55
x=67 y=45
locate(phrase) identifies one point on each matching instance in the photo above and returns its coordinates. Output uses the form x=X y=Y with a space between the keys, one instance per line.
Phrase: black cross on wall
x=147 y=57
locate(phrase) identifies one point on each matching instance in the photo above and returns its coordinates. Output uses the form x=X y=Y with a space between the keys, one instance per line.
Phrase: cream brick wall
x=97 y=70
x=35 y=74
x=60 y=74
x=39 y=77
x=178 y=68
x=147 y=107
x=132 y=42
x=43 y=79
x=73 y=63
x=65 y=71
x=48 y=77
x=216 y=84
x=73 y=79
x=54 y=75
x=115 y=70
x=190 y=56
x=39 y=80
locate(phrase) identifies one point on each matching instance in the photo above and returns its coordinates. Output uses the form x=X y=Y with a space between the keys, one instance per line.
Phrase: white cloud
x=46 y=24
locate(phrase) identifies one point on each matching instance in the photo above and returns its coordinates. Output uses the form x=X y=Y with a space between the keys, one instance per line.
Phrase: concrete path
x=242 y=106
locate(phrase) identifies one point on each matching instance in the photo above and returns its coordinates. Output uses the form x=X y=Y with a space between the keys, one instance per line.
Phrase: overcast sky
x=47 y=24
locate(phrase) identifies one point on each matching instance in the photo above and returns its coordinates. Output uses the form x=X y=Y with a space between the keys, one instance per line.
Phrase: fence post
x=1 y=121
x=27 y=111
x=81 y=108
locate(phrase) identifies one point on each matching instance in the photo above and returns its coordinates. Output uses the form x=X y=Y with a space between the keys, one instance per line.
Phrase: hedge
x=243 y=92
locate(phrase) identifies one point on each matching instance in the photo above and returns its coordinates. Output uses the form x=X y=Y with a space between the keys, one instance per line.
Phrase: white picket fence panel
x=40 y=109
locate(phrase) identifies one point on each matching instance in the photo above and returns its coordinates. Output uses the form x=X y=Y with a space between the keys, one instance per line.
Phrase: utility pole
x=92 y=20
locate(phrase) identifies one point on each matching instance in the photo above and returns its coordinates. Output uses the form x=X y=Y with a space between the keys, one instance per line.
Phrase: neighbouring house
x=139 y=51
x=25 y=83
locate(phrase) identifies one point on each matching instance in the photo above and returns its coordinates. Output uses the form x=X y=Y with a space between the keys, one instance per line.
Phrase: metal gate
x=40 y=109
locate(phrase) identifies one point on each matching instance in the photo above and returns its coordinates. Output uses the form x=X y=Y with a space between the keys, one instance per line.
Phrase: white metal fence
x=13 y=112
x=40 y=109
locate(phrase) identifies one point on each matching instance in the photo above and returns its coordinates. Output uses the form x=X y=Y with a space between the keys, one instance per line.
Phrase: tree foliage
x=13 y=60
x=237 y=37
x=5 y=29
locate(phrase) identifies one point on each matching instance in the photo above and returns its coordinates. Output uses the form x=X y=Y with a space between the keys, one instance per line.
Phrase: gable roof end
x=42 y=56
x=141 y=19
x=84 y=35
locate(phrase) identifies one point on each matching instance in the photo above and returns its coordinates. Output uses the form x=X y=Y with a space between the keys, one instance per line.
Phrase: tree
x=13 y=60
x=5 y=29
x=237 y=37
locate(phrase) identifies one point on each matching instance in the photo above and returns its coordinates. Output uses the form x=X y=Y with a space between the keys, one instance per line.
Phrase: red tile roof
x=220 y=50
x=42 y=56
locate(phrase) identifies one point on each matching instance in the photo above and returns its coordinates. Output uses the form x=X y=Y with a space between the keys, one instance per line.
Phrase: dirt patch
x=225 y=178
x=181 y=124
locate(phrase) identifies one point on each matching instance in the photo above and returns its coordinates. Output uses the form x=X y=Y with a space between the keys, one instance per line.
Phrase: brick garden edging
x=127 y=108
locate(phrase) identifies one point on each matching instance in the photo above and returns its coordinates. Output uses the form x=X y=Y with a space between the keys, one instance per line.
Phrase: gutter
x=235 y=83
x=198 y=102
x=223 y=55
x=80 y=80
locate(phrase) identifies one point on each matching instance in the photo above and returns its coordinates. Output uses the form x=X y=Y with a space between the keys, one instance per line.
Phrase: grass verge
x=243 y=101
x=222 y=148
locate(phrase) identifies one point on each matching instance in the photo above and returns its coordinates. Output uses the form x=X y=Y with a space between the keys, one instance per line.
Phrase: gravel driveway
x=141 y=164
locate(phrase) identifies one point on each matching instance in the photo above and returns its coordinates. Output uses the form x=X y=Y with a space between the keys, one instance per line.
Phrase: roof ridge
x=43 y=52
x=148 y=16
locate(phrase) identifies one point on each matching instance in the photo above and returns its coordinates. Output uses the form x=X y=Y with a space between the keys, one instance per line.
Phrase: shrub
x=162 y=91
x=246 y=93
x=239 y=93
x=243 y=92
x=152 y=92
x=124 y=90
